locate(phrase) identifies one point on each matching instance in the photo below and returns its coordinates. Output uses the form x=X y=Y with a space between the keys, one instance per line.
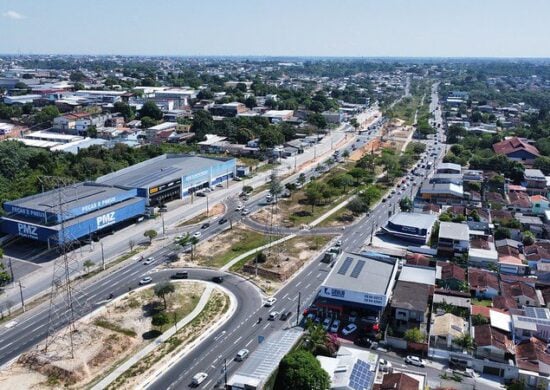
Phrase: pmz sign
x=106 y=220
x=28 y=231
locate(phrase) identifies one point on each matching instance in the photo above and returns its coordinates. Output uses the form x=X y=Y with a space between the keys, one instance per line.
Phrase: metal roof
x=361 y=273
x=417 y=220
x=454 y=231
x=159 y=170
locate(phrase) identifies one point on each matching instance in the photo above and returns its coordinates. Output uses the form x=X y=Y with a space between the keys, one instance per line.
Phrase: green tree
x=414 y=335
x=275 y=186
x=160 y=319
x=342 y=180
x=125 y=110
x=301 y=178
x=87 y=265
x=528 y=238
x=501 y=233
x=77 y=76
x=300 y=370
x=317 y=120
x=91 y=131
x=465 y=341
x=151 y=110
x=314 y=193
x=345 y=153
x=406 y=204
x=4 y=275
x=164 y=289
x=250 y=102
x=478 y=319
x=202 y=124
x=147 y=122
x=358 y=205
x=45 y=116
x=150 y=234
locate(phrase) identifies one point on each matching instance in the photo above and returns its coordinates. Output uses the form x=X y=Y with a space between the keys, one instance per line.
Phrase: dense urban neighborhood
x=274 y=223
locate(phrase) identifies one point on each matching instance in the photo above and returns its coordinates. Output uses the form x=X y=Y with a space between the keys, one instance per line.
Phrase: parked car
x=145 y=280
x=311 y=316
x=199 y=378
x=150 y=260
x=352 y=317
x=242 y=354
x=384 y=365
x=414 y=360
x=326 y=323
x=335 y=326
x=349 y=329
x=201 y=194
x=270 y=301
x=364 y=342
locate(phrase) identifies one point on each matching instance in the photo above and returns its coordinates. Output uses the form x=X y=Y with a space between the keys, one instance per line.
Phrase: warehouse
x=113 y=200
x=86 y=208
x=172 y=176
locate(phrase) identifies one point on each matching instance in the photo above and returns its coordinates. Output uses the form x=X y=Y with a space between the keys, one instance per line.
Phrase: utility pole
x=225 y=371
x=175 y=322
x=207 y=205
x=298 y=308
x=11 y=271
x=21 y=293
x=102 y=257
x=163 y=231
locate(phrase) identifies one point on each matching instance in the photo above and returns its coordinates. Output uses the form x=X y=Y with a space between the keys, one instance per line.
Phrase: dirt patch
x=101 y=342
x=214 y=211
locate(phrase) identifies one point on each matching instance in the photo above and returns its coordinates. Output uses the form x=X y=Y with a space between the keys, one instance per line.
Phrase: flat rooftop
x=356 y=272
x=73 y=196
x=159 y=170
x=454 y=231
x=417 y=220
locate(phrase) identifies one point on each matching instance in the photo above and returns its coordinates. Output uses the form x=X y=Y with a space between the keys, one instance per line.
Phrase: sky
x=356 y=28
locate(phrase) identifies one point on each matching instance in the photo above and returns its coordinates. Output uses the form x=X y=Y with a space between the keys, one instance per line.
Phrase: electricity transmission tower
x=67 y=304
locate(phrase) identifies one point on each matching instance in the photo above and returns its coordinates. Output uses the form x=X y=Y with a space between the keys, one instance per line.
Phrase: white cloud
x=13 y=15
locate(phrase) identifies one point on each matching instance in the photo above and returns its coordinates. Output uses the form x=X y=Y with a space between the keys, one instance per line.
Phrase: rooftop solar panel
x=357 y=269
x=345 y=266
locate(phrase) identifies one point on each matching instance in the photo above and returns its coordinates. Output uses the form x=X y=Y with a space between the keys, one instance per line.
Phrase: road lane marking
x=236 y=341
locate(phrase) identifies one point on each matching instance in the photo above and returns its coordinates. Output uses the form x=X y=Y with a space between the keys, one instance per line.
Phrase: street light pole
x=11 y=271
x=163 y=232
x=225 y=371
x=298 y=308
x=102 y=257
x=21 y=294
x=207 y=205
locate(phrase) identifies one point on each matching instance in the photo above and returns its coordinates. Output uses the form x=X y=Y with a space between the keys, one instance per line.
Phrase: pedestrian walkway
x=159 y=340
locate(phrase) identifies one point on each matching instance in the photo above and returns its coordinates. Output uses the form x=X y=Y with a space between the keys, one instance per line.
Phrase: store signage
x=353 y=296
x=28 y=231
x=105 y=220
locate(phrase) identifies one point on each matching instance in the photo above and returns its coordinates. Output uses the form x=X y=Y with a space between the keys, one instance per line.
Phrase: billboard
x=365 y=298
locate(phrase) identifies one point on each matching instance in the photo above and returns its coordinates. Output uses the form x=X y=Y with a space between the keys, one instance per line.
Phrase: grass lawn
x=240 y=240
x=482 y=302
x=340 y=217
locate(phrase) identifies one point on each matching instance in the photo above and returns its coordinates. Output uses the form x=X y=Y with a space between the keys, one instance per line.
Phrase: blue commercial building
x=112 y=200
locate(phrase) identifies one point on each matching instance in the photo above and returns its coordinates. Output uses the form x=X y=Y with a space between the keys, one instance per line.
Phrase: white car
x=239 y=207
x=197 y=235
x=349 y=329
x=384 y=365
x=270 y=301
x=414 y=360
x=149 y=260
x=335 y=326
x=145 y=280
x=245 y=212
x=242 y=354
x=273 y=315
x=199 y=378
x=326 y=323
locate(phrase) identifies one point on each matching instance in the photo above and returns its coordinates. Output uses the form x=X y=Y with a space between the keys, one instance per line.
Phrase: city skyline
x=427 y=29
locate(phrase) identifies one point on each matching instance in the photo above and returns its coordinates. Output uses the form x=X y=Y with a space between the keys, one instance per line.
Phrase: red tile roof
x=399 y=381
x=513 y=144
x=481 y=310
x=451 y=271
x=518 y=289
x=480 y=279
x=538 y=198
x=486 y=335
x=531 y=353
x=504 y=303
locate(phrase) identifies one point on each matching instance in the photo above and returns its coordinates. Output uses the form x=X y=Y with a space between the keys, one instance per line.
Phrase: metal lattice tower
x=67 y=304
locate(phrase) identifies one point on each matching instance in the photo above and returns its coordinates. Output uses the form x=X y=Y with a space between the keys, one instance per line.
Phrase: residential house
x=445 y=329
x=523 y=293
x=504 y=303
x=535 y=182
x=492 y=344
x=228 y=109
x=450 y=276
x=348 y=361
x=519 y=202
x=517 y=149
x=483 y=283
x=532 y=223
x=531 y=322
x=533 y=361
x=398 y=381
x=409 y=305
x=512 y=265
x=454 y=238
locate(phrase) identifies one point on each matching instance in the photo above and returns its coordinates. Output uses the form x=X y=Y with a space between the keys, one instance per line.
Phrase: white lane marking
x=250 y=342
x=239 y=339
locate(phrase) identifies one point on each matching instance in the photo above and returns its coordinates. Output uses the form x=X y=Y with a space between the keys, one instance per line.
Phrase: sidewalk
x=152 y=346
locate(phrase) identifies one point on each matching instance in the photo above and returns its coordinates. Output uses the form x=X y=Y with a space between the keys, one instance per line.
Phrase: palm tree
x=465 y=341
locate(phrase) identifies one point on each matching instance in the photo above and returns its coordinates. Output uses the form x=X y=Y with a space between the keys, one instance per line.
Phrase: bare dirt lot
x=101 y=341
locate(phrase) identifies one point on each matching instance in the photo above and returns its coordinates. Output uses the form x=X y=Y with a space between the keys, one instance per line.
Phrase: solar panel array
x=345 y=265
x=538 y=312
x=361 y=377
x=357 y=269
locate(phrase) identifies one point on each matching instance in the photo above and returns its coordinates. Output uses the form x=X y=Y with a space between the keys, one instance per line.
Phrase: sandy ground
x=97 y=348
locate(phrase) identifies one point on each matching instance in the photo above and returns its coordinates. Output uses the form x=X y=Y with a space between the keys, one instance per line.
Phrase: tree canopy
x=300 y=370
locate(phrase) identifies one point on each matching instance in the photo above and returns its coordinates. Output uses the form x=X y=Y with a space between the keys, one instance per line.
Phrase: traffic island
x=104 y=339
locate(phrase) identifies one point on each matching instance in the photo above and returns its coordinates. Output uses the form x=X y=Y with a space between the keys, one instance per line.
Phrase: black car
x=200 y=194
x=205 y=225
x=364 y=342
x=286 y=316
x=222 y=221
x=217 y=279
x=180 y=275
